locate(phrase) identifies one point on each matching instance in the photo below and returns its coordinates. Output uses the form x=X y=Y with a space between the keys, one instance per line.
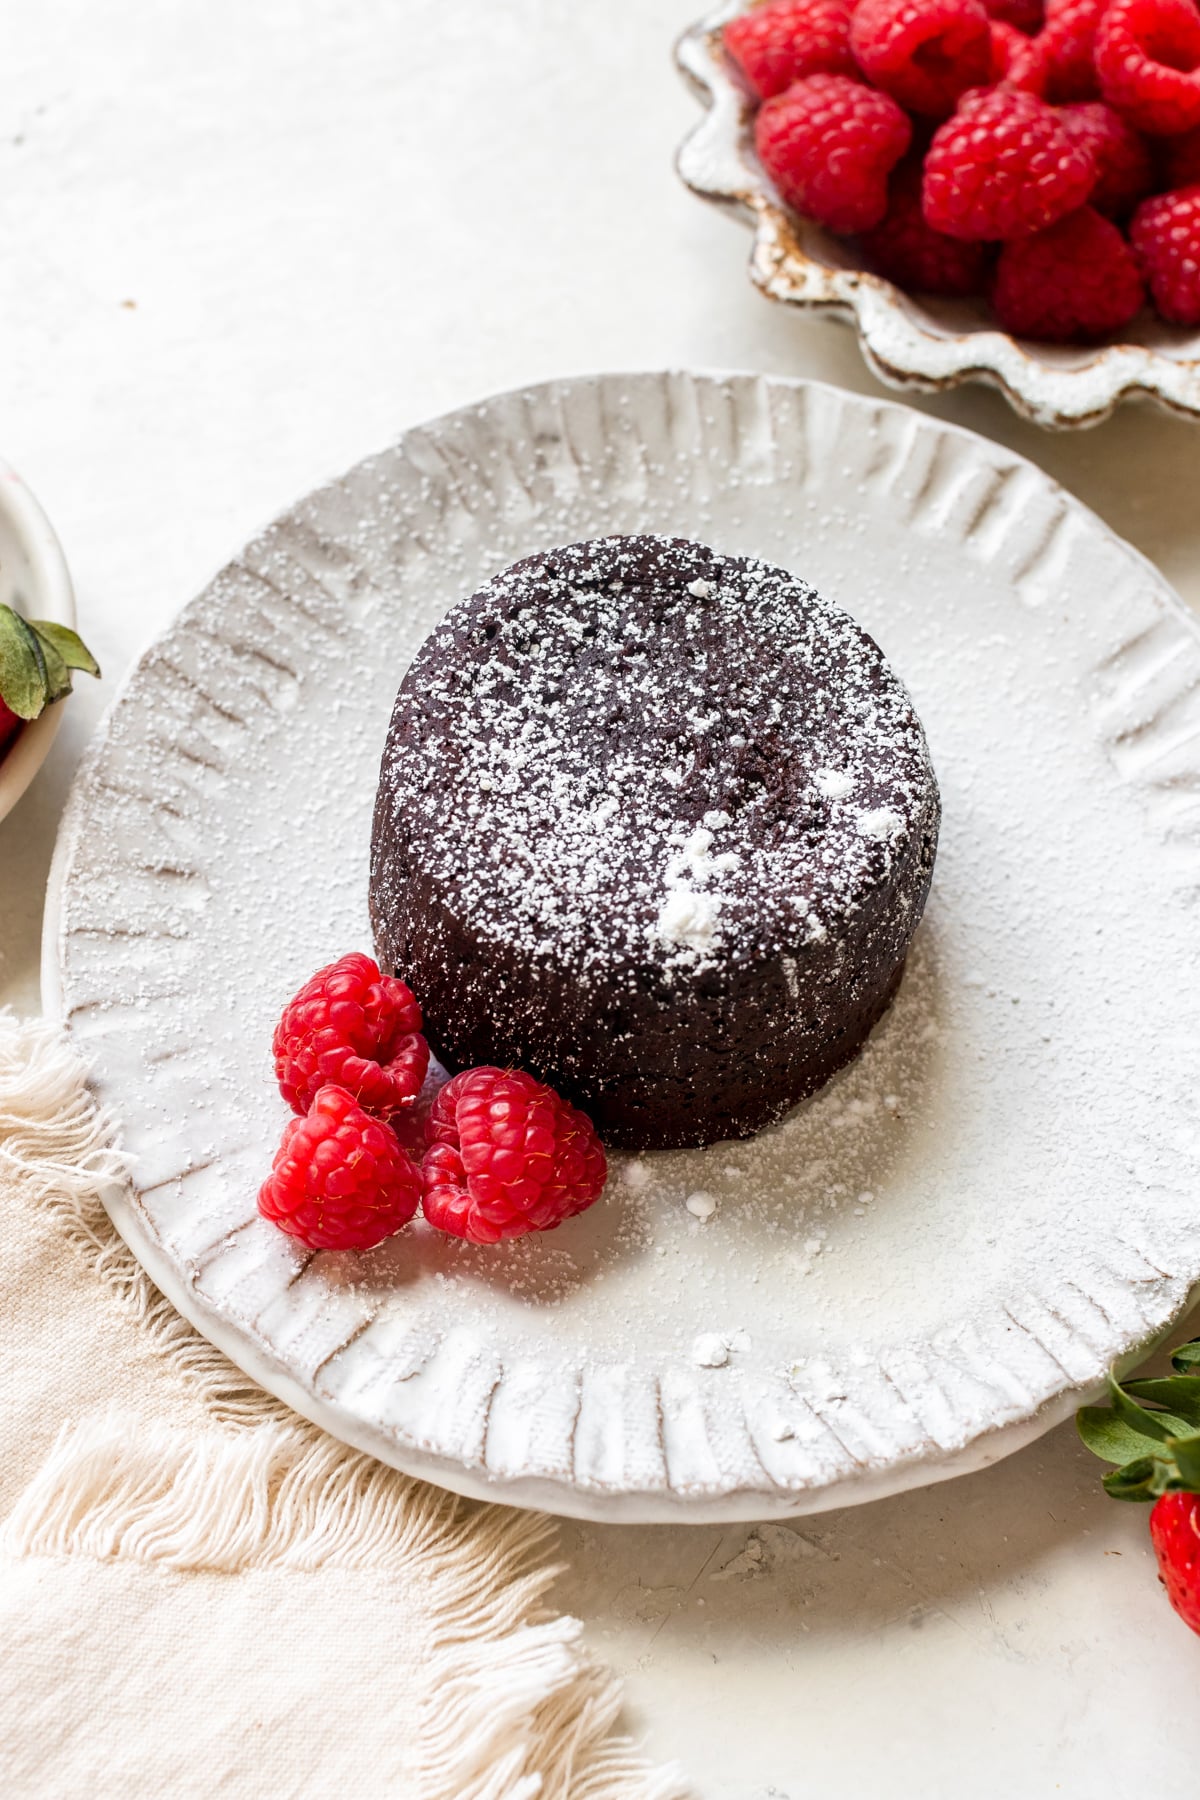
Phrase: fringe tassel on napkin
x=514 y=1706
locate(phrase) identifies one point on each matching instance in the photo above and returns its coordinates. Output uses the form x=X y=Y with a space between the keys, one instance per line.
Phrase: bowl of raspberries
x=996 y=190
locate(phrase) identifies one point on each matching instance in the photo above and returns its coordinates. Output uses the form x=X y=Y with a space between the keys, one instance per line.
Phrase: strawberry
x=1175 y=1534
x=37 y=658
x=1157 y=1446
x=9 y=727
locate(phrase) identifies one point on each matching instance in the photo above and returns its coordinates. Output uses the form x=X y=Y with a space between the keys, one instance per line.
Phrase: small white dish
x=34 y=580
x=922 y=344
x=928 y=1263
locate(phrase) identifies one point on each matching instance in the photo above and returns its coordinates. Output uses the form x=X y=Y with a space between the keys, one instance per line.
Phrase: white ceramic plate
x=925 y=1265
x=34 y=579
x=915 y=342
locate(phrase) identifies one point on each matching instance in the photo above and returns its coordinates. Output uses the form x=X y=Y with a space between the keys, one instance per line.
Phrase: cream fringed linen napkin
x=202 y=1594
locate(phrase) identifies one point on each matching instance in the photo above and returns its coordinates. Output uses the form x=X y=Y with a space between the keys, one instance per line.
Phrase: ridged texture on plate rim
x=903 y=340
x=166 y=833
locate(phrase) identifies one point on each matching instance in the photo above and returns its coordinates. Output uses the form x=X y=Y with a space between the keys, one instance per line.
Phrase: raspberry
x=411 y=1125
x=508 y=1157
x=1125 y=171
x=1182 y=159
x=1066 y=45
x=1166 y=237
x=829 y=145
x=1004 y=166
x=340 y=1180
x=1076 y=281
x=924 y=53
x=913 y=255
x=352 y=1025
x=1026 y=15
x=1018 y=60
x=1148 y=62
x=785 y=40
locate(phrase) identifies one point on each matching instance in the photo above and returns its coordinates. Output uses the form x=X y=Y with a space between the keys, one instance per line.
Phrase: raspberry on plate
x=508 y=1156
x=1148 y=62
x=784 y=40
x=924 y=53
x=1003 y=167
x=1166 y=236
x=909 y=252
x=1076 y=281
x=1124 y=166
x=1065 y=46
x=340 y=1180
x=354 y=1026
x=829 y=145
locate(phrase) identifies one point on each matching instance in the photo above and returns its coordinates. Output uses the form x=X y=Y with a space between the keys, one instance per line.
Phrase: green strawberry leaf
x=1181 y=1393
x=36 y=660
x=69 y=645
x=22 y=666
x=1160 y=1425
x=1159 y=1449
x=1144 y=1479
x=58 y=676
x=1110 y=1438
x=1186 y=1452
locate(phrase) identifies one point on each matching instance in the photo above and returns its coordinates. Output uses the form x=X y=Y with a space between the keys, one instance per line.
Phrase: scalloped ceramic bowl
x=34 y=579
x=926 y=344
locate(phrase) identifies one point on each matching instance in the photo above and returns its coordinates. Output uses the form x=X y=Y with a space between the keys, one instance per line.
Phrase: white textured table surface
x=243 y=246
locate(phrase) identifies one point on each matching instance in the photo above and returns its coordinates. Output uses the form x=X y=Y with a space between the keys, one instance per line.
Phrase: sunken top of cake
x=640 y=750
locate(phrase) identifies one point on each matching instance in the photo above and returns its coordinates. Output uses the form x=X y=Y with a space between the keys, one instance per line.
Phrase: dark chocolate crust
x=657 y=825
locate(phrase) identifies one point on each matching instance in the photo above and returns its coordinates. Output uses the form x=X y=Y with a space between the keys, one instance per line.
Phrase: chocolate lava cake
x=657 y=825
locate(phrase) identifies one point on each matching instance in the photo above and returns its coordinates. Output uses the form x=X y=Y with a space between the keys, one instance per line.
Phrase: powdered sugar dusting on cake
x=646 y=734
x=688 y=921
x=880 y=822
x=835 y=784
